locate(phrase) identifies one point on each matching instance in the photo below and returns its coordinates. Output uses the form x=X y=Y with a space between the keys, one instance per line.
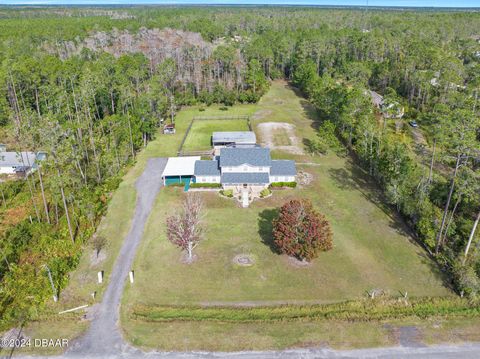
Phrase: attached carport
x=180 y=170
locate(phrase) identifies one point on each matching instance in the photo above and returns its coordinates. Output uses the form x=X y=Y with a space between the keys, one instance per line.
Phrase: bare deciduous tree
x=184 y=228
x=98 y=243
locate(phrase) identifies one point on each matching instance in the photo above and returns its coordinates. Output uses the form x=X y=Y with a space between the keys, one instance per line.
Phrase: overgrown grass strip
x=351 y=311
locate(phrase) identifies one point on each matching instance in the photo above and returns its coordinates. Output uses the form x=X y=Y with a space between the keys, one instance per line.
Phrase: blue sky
x=426 y=3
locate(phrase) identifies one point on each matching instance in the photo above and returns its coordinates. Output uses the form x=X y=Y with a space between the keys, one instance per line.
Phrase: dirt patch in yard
x=280 y=136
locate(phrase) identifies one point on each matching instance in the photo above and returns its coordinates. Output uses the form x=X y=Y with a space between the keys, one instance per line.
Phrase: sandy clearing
x=267 y=130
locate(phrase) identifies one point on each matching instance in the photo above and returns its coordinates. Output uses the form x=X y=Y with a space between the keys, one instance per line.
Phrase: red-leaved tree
x=300 y=231
x=184 y=228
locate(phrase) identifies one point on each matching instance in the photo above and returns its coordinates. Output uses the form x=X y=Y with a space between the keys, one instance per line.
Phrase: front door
x=244 y=185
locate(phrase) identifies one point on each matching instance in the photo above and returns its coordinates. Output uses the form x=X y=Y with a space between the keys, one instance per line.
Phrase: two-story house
x=241 y=168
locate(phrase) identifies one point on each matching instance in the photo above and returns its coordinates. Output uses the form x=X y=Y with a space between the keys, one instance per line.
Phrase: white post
x=131 y=276
x=100 y=276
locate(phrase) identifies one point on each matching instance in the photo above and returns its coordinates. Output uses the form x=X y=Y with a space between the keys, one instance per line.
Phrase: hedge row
x=205 y=185
x=283 y=184
x=363 y=310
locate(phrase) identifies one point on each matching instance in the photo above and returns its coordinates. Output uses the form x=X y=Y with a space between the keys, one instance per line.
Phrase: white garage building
x=180 y=170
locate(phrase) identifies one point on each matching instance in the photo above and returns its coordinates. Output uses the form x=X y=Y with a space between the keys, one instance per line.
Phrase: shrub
x=98 y=243
x=301 y=231
x=224 y=108
x=265 y=192
x=205 y=185
x=227 y=193
x=283 y=184
x=201 y=109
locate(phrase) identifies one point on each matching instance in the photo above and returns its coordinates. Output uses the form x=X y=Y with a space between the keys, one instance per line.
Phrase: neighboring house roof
x=180 y=166
x=255 y=156
x=238 y=137
x=17 y=159
x=283 y=168
x=207 y=168
x=241 y=178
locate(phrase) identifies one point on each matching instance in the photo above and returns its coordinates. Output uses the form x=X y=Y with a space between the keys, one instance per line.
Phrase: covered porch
x=180 y=170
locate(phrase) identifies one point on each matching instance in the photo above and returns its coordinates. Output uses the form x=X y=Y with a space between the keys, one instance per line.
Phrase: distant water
x=372 y=3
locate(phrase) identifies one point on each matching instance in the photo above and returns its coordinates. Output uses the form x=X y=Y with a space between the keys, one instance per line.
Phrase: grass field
x=199 y=137
x=373 y=250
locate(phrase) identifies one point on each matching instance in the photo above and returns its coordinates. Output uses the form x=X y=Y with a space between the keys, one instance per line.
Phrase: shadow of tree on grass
x=265 y=227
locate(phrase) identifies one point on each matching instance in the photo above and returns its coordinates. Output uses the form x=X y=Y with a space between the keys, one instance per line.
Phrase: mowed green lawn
x=373 y=249
x=199 y=137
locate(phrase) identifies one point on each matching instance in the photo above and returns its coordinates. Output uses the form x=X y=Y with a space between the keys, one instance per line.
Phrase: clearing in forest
x=373 y=250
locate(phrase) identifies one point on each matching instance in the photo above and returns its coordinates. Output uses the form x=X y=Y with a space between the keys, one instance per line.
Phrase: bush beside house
x=283 y=184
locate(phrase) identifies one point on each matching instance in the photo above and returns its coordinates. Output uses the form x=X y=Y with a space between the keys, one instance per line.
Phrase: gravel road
x=103 y=338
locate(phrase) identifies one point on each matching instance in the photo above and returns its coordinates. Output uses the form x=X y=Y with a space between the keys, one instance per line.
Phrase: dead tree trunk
x=470 y=238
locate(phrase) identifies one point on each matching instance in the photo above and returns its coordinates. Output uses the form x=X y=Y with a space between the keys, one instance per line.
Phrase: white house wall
x=245 y=169
x=207 y=179
x=7 y=170
x=282 y=179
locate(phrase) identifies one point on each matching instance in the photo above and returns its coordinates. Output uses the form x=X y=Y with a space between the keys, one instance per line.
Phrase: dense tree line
x=440 y=205
x=90 y=86
x=90 y=113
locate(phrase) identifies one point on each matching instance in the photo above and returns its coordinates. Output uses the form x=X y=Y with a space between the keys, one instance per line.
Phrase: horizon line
x=221 y=4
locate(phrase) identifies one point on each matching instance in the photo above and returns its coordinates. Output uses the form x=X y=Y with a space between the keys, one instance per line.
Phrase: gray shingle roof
x=207 y=168
x=241 y=178
x=239 y=137
x=256 y=156
x=283 y=168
